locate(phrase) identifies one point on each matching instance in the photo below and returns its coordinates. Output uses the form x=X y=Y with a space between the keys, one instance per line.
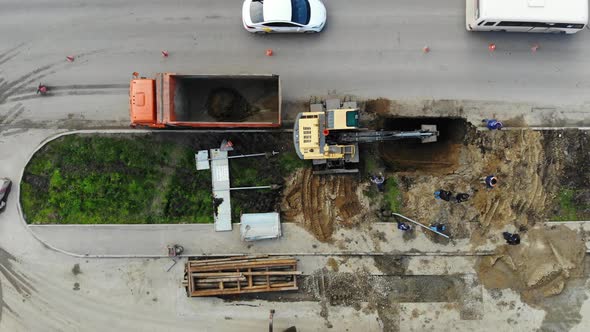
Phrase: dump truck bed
x=208 y=101
x=174 y=100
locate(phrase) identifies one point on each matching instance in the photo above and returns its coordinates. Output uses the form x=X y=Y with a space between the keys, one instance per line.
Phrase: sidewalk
x=201 y=239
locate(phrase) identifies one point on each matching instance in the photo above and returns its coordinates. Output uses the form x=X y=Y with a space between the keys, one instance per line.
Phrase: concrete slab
x=221 y=192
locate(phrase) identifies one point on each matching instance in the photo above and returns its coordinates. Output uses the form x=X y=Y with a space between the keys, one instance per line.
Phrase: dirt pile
x=527 y=177
x=320 y=203
x=539 y=266
x=226 y=104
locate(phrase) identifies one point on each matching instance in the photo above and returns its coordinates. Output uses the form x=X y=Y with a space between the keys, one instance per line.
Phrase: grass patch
x=569 y=208
x=289 y=162
x=393 y=195
x=115 y=180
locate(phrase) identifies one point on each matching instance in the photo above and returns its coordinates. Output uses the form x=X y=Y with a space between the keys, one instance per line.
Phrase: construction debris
x=240 y=275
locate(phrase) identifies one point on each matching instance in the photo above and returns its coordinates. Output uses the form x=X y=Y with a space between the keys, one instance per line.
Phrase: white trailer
x=541 y=16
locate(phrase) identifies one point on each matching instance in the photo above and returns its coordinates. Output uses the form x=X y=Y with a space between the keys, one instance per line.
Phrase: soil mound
x=527 y=175
x=321 y=202
x=539 y=266
x=225 y=104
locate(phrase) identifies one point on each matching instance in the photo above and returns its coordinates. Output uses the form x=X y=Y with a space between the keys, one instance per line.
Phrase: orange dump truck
x=174 y=100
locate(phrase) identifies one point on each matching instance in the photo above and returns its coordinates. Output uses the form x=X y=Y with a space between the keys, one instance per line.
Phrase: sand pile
x=539 y=266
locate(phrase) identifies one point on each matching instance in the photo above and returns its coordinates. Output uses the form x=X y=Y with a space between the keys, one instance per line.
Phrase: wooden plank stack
x=240 y=275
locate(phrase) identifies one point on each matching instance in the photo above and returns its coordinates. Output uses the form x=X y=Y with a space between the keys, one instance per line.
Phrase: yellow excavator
x=329 y=136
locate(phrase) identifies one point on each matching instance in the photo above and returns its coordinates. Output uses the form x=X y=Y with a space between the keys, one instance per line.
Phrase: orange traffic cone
x=165 y=54
x=426 y=49
x=492 y=47
x=70 y=58
x=269 y=52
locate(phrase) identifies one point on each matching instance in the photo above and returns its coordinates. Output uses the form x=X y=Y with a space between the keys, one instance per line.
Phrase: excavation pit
x=441 y=157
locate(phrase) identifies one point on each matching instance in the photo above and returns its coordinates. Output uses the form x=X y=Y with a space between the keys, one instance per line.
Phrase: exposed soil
x=529 y=165
x=539 y=266
x=532 y=168
x=225 y=104
x=321 y=203
x=379 y=293
x=379 y=106
x=440 y=157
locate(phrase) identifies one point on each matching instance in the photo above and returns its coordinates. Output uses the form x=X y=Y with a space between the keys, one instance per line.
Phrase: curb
x=139 y=256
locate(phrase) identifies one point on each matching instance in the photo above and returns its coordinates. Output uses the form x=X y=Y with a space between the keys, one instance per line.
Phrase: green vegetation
x=115 y=180
x=393 y=195
x=370 y=164
x=569 y=209
x=289 y=162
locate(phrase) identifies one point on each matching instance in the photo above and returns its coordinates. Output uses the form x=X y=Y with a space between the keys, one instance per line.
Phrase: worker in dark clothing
x=402 y=226
x=443 y=194
x=490 y=181
x=493 y=124
x=511 y=239
x=461 y=197
x=379 y=180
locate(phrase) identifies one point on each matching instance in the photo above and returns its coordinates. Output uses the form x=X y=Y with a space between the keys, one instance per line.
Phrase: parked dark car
x=5 y=185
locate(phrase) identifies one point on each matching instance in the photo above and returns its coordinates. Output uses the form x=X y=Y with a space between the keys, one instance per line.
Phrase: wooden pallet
x=240 y=275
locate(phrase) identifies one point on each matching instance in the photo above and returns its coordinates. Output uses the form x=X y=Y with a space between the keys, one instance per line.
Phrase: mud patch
x=226 y=104
x=380 y=106
x=333 y=264
x=391 y=265
x=563 y=310
x=321 y=203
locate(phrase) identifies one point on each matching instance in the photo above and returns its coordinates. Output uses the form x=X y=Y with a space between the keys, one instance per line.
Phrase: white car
x=283 y=16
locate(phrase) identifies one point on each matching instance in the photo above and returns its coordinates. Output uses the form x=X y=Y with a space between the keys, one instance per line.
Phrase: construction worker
x=379 y=180
x=438 y=227
x=42 y=89
x=443 y=194
x=493 y=124
x=511 y=239
x=402 y=226
x=461 y=197
x=490 y=181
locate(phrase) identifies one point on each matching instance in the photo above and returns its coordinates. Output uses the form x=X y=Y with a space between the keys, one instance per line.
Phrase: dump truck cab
x=142 y=100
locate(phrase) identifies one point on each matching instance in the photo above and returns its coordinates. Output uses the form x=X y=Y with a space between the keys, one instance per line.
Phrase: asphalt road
x=369 y=48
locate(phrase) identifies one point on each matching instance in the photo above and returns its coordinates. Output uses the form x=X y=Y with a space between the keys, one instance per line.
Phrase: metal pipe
x=272 y=186
x=274 y=153
x=419 y=224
